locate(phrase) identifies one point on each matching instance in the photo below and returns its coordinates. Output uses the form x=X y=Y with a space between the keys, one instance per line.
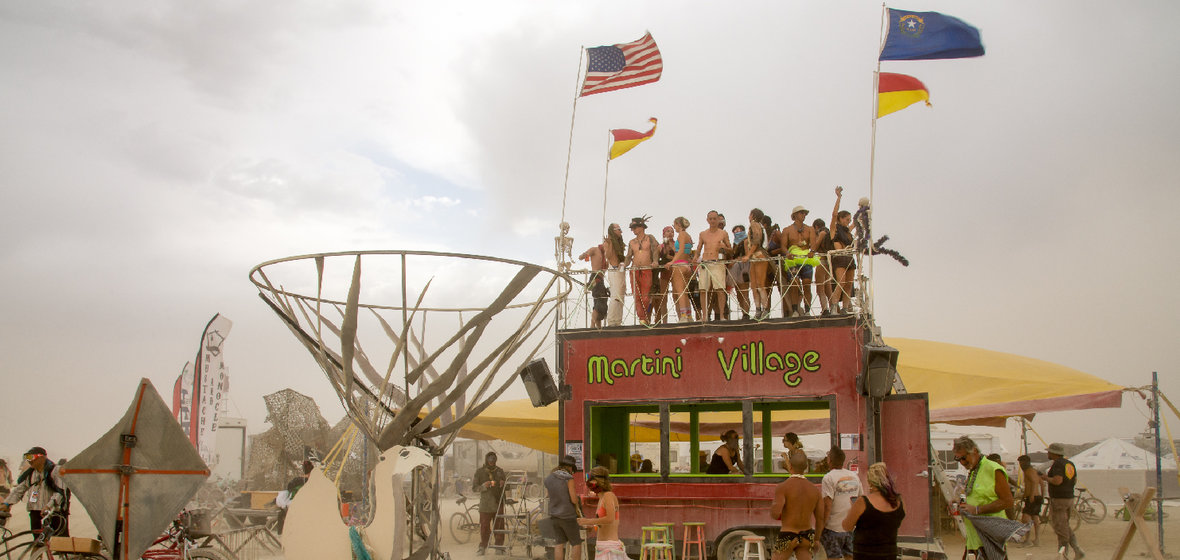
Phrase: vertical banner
x=182 y=399
x=206 y=385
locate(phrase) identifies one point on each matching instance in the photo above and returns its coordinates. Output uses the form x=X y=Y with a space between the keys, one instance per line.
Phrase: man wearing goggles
x=43 y=485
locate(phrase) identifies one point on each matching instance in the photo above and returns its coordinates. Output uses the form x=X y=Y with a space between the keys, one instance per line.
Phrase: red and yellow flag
x=898 y=91
x=626 y=139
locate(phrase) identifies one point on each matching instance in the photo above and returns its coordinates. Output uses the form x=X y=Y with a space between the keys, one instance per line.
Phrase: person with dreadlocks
x=875 y=517
x=663 y=282
x=616 y=278
x=642 y=253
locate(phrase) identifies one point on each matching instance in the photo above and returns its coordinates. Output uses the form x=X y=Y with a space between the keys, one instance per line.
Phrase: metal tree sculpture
x=421 y=391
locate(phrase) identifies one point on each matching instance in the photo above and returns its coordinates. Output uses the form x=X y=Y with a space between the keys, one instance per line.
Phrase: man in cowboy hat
x=1062 y=477
x=798 y=248
x=642 y=253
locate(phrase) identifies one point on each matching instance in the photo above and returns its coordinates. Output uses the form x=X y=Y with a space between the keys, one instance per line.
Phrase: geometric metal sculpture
x=138 y=476
x=426 y=365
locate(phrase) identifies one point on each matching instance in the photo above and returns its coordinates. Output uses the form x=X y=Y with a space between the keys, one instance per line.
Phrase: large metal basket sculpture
x=443 y=332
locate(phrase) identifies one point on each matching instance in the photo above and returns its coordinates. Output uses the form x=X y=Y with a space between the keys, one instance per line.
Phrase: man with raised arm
x=712 y=247
x=797 y=504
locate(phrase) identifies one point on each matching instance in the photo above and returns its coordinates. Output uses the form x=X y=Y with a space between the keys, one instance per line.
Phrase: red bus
x=672 y=390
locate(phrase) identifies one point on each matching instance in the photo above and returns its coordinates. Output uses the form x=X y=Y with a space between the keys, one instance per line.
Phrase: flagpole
x=606 y=180
x=570 y=147
x=873 y=155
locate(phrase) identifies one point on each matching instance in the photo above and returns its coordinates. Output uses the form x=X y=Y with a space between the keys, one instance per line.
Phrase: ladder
x=511 y=514
x=947 y=489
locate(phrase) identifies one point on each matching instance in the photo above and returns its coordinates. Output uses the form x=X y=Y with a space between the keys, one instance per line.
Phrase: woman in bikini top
x=681 y=269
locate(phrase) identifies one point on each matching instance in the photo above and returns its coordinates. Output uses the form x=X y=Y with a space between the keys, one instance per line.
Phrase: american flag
x=622 y=66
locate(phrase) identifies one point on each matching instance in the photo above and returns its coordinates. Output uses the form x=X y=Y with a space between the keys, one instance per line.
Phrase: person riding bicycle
x=45 y=489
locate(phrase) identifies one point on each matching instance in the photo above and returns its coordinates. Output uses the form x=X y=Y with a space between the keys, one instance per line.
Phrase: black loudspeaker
x=539 y=382
x=880 y=369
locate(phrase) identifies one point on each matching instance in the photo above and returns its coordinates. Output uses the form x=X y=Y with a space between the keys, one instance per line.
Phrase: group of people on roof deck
x=699 y=275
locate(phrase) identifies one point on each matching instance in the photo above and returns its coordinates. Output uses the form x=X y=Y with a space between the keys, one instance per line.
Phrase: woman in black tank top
x=876 y=517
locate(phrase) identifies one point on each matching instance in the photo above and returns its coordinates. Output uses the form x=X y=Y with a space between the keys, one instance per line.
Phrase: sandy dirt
x=1099 y=541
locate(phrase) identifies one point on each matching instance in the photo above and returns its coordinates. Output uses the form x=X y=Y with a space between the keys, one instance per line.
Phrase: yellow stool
x=655 y=539
x=694 y=535
x=755 y=543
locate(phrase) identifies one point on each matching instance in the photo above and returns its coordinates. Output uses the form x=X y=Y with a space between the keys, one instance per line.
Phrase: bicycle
x=1086 y=507
x=13 y=543
x=463 y=524
x=175 y=544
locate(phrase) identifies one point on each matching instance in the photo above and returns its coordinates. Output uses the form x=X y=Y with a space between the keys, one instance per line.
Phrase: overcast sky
x=152 y=153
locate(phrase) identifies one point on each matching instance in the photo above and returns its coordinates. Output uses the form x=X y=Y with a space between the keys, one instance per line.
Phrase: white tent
x=1115 y=463
x=1114 y=454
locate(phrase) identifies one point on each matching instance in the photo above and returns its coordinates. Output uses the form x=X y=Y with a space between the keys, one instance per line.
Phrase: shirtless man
x=797 y=503
x=712 y=246
x=642 y=253
x=597 y=257
x=797 y=240
x=1034 y=497
x=615 y=277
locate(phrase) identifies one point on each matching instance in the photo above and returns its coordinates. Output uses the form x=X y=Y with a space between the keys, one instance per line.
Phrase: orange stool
x=694 y=535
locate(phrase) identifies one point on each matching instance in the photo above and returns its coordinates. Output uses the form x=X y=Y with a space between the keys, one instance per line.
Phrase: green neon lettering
x=727 y=367
x=811 y=360
x=596 y=371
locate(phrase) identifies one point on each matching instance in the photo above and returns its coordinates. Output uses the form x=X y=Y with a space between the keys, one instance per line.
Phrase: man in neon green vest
x=987 y=489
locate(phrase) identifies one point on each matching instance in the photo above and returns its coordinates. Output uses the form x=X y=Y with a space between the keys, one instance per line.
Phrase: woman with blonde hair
x=876 y=517
x=606 y=520
x=681 y=267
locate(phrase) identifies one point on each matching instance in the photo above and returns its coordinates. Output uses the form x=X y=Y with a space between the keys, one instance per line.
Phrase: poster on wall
x=575 y=448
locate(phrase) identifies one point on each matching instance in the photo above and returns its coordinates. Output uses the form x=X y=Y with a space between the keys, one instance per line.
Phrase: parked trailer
x=677 y=383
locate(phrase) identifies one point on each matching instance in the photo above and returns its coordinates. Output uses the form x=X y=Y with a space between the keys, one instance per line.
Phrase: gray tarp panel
x=167 y=471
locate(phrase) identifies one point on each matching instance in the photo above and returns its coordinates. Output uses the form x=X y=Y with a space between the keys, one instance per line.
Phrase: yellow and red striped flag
x=626 y=139
x=898 y=91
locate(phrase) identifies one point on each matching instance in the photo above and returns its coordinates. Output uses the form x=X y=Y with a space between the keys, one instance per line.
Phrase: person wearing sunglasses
x=44 y=487
x=606 y=518
x=988 y=493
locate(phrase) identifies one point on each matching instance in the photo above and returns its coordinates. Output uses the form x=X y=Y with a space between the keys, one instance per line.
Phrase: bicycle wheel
x=12 y=546
x=1091 y=510
x=460 y=528
x=206 y=553
x=39 y=552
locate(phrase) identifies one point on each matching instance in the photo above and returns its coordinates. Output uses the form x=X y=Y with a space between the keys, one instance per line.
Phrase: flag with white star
x=621 y=66
x=927 y=36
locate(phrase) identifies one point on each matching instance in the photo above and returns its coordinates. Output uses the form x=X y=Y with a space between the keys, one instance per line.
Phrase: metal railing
x=740 y=303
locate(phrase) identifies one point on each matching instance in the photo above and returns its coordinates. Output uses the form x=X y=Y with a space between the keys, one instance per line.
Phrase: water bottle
x=962 y=502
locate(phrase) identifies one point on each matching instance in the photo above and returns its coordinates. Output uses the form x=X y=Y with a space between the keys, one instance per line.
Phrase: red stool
x=694 y=535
